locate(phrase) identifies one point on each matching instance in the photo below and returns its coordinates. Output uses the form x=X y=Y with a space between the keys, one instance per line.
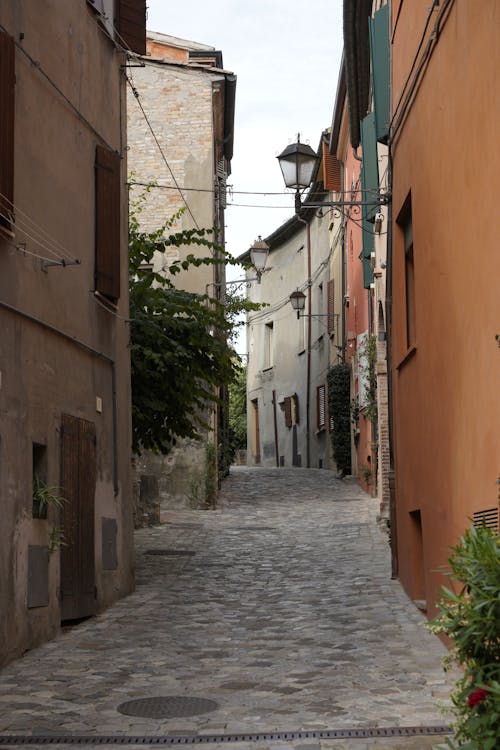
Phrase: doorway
x=78 y=480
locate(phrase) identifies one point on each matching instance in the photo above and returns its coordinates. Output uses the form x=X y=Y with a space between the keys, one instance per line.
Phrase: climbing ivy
x=339 y=406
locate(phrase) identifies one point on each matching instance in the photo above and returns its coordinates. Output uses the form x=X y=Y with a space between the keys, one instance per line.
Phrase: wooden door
x=78 y=479
x=256 y=431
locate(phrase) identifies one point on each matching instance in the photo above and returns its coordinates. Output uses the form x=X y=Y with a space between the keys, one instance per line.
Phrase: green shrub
x=339 y=408
x=470 y=616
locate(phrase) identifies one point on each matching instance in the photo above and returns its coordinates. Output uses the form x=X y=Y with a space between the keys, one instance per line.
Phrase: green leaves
x=470 y=616
x=180 y=350
x=339 y=408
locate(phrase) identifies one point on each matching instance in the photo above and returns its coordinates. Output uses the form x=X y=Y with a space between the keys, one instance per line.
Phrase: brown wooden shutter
x=331 y=306
x=295 y=409
x=107 y=250
x=288 y=411
x=331 y=171
x=132 y=25
x=7 y=84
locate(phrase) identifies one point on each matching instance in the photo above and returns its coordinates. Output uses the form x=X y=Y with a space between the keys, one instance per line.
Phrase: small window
x=268 y=345
x=406 y=224
x=39 y=479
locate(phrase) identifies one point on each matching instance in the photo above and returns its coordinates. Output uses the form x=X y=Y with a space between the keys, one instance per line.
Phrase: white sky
x=286 y=57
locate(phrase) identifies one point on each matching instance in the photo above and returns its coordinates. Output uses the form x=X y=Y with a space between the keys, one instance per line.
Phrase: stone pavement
x=281 y=611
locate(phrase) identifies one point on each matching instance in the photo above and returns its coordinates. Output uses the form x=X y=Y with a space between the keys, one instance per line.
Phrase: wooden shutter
x=295 y=409
x=132 y=25
x=331 y=307
x=321 y=411
x=288 y=411
x=331 y=171
x=7 y=82
x=107 y=196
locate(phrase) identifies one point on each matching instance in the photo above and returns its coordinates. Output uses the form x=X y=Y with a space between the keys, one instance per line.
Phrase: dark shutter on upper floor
x=380 y=51
x=321 y=406
x=107 y=218
x=331 y=307
x=331 y=170
x=7 y=83
x=132 y=25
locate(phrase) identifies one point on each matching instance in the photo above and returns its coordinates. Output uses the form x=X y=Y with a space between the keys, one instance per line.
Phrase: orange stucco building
x=445 y=280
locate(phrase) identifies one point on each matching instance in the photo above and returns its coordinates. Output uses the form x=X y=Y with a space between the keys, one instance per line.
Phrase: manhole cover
x=170 y=552
x=168 y=707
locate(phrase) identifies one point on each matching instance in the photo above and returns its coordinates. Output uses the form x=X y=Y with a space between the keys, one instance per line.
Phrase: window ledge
x=105 y=301
x=321 y=430
x=407 y=356
x=268 y=369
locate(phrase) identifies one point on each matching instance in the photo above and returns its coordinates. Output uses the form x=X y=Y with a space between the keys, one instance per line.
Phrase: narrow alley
x=278 y=608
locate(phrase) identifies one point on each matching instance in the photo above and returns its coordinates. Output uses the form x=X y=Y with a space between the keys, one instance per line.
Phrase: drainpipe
x=388 y=321
x=309 y=334
x=276 y=448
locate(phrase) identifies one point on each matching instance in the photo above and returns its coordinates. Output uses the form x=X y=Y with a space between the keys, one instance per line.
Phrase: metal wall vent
x=489 y=518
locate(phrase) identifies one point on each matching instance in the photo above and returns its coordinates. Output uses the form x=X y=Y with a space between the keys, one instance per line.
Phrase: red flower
x=476 y=697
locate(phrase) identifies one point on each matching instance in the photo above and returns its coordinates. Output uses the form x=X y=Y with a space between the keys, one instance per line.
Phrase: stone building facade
x=180 y=111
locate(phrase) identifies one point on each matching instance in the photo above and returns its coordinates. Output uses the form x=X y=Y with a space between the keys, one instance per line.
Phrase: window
x=7 y=84
x=39 y=479
x=107 y=218
x=405 y=222
x=321 y=407
x=291 y=410
x=268 y=345
x=331 y=307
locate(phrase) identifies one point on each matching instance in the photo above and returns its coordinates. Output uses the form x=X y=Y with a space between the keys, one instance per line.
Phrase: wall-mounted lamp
x=298 y=164
x=259 y=252
x=298 y=302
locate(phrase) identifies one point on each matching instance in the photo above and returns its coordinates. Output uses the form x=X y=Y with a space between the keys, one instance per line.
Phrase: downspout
x=276 y=448
x=388 y=316
x=309 y=333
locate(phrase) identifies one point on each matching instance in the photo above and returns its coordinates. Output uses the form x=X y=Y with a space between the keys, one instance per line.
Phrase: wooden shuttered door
x=107 y=218
x=331 y=171
x=78 y=480
x=331 y=307
x=132 y=25
x=7 y=83
x=288 y=411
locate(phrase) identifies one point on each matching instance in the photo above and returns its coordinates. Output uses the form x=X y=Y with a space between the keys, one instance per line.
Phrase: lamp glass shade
x=258 y=254
x=298 y=300
x=298 y=163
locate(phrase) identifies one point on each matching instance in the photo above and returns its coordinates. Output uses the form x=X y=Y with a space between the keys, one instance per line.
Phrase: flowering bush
x=471 y=618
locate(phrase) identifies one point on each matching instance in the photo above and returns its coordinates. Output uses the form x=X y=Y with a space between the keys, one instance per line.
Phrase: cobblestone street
x=281 y=611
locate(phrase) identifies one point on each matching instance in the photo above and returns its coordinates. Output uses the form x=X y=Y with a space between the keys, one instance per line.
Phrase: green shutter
x=379 y=47
x=370 y=185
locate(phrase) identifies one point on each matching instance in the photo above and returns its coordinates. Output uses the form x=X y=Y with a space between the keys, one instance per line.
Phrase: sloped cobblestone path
x=278 y=606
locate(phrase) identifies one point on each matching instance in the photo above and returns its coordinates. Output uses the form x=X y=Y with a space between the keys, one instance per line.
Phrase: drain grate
x=167 y=707
x=206 y=739
x=170 y=552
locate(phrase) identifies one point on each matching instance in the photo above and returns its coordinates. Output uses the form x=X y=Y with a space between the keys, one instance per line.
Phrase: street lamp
x=298 y=301
x=298 y=162
x=258 y=255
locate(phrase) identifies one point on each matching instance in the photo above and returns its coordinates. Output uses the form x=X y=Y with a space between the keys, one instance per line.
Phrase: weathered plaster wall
x=446 y=395
x=43 y=374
